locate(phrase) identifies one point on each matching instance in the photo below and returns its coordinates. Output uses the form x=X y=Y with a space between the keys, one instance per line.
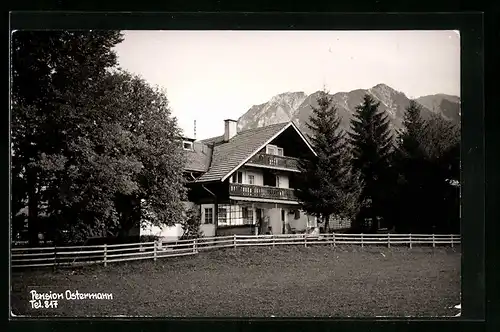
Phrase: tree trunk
x=127 y=222
x=32 y=210
x=327 y=223
x=130 y=214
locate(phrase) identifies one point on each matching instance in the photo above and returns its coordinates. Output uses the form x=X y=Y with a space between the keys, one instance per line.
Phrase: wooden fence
x=105 y=254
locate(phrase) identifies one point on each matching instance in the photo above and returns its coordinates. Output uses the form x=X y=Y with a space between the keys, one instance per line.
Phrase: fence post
x=234 y=240
x=273 y=239
x=361 y=240
x=105 y=255
x=452 y=240
x=55 y=256
x=305 y=240
x=194 y=246
x=154 y=255
x=410 y=241
x=433 y=241
x=388 y=240
x=334 y=244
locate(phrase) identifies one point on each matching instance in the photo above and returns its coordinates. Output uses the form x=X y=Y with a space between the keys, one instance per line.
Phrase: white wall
x=257 y=173
x=275 y=220
x=303 y=222
x=207 y=230
x=258 y=177
x=167 y=233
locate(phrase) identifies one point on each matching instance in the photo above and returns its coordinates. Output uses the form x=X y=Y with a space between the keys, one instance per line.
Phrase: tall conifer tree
x=324 y=185
x=372 y=144
x=411 y=166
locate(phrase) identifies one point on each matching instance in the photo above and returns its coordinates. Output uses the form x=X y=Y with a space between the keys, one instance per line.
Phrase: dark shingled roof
x=213 y=140
x=227 y=156
x=199 y=159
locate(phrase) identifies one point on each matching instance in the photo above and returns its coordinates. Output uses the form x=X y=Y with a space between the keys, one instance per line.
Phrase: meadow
x=317 y=281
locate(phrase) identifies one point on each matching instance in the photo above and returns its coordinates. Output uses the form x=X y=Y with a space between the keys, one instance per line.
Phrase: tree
x=45 y=66
x=110 y=154
x=325 y=184
x=126 y=165
x=428 y=163
x=372 y=144
x=441 y=143
x=412 y=166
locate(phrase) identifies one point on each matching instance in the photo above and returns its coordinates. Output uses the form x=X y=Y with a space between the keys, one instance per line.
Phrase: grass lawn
x=259 y=282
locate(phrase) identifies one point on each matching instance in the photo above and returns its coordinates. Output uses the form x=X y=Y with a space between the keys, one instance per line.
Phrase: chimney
x=230 y=128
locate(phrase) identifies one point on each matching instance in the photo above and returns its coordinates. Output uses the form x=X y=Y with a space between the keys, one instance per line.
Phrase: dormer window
x=274 y=150
x=187 y=145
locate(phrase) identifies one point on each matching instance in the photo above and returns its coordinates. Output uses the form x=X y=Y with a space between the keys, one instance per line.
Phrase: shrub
x=149 y=238
x=191 y=224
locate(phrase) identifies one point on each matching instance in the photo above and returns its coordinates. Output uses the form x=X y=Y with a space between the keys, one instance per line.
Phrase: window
x=238 y=177
x=244 y=211
x=209 y=216
x=235 y=214
x=297 y=214
x=187 y=145
x=222 y=216
x=277 y=181
x=247 y=216
x=274 y=150
x=269 y=179
x=271 y=149
x=251 y=179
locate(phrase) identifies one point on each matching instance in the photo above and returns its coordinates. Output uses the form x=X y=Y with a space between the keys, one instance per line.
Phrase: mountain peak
x=280 y=108
x=297 y=107
x=383 y=87
x=287 y=96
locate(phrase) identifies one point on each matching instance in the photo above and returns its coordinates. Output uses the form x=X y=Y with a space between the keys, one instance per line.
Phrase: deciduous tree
x=95 y=148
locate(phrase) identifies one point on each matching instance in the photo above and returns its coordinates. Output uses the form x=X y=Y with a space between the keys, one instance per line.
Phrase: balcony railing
x=274 y=161
x=247 y=190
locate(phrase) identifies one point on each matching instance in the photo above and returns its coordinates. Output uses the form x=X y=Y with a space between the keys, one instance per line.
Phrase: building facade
x=243 y=182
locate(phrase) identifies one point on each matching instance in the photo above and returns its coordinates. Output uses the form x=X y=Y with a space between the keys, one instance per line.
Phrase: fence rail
x=105 y=254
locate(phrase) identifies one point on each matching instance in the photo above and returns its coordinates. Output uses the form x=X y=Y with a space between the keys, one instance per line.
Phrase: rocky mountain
x=280 y=108
x=296 y=106
x=446 y=105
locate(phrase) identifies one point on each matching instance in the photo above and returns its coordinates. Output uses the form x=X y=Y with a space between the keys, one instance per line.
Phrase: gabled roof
x=198 y=160
x=227 y=157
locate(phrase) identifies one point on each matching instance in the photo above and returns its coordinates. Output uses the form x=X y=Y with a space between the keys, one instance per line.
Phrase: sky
x=209 y=76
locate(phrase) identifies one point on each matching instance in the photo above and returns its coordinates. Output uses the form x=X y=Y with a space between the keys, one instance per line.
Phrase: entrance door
x=259 y=219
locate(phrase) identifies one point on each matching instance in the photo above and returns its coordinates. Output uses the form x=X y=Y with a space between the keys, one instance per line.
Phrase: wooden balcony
x=248 y=190
x=274 y=161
